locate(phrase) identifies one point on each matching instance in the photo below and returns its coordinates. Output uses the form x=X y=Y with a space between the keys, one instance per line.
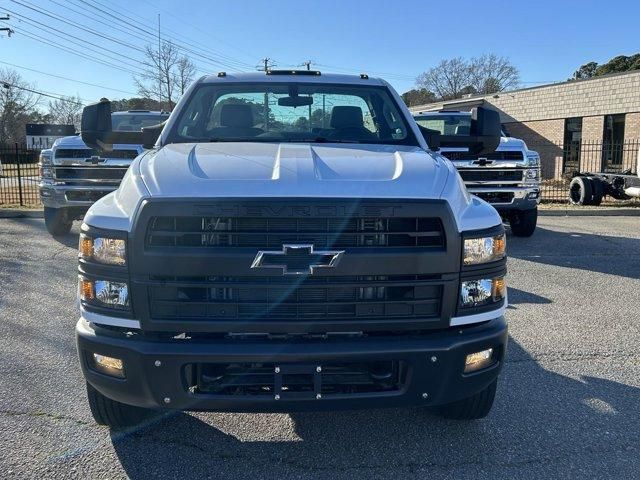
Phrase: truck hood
x=199 y=170
x=75 y=141
x=506 y=144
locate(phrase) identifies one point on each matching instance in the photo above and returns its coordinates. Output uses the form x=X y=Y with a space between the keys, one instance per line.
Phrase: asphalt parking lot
x=568 y=404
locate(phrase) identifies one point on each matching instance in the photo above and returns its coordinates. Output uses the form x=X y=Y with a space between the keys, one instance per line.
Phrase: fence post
x=19 y=175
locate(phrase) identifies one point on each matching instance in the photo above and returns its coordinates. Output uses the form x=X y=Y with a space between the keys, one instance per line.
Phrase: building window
x=612 y=142
x=572 y=144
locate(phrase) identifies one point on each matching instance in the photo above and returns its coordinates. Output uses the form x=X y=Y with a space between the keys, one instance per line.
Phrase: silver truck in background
x=74 y=176
x=509 y=178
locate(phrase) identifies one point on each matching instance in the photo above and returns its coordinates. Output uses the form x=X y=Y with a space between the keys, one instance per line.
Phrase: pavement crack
x=40 y=413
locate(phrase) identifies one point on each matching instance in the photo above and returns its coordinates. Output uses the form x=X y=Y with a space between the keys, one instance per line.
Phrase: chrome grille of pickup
x=274 y=232
x=281 y=298
x=113 y=174
x=85 y=153
x=505 y=155
x=490 y=175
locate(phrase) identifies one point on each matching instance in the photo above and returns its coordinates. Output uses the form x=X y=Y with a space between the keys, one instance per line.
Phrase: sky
x=546 y=40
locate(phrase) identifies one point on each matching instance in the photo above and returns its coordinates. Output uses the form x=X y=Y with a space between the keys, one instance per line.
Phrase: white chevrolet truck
x=290 y=241
x=73 y=176
x=508 y=178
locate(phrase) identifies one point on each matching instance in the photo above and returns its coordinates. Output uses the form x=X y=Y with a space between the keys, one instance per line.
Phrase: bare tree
x=447 y=79
x=166 y=74
x=17 y=106
x=186 y=70
x=66 y=111
x=491 y=74
x=456 y=77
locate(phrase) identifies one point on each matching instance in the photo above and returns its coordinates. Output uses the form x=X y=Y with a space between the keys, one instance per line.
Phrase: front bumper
x=522 y=198
x=63 y=196
x=155 y=369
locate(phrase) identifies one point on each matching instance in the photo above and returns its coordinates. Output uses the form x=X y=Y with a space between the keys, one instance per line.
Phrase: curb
x=17 y=213
x=591 y=212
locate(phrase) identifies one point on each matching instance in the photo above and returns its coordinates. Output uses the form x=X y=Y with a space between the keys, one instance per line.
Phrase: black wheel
x=471 y=408
x=598 y=191
x=57 y=221
x=581 y=191
x=523 y=223
x=114 y=414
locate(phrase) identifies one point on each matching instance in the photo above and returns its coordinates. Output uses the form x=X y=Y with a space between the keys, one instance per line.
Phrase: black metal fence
x=19 y=176
x=560 y=163
x=19 y=173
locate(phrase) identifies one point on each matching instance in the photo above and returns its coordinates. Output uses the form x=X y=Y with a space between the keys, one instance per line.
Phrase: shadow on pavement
x=539 y=417
x=595 y=253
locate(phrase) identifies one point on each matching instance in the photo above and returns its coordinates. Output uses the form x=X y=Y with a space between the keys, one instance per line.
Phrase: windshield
x=133 y=122
x=446 y=124
x=291 y=112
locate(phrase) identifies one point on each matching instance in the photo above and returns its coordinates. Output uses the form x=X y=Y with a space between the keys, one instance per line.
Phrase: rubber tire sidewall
x=57 y=221
x=586 y=191
x=471 y=408
x=523 y=223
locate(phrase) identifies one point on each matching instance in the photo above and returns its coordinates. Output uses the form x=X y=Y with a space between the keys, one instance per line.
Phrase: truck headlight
x=478 y=293
x=533 y=159
x=105 y=293
x=484 y=249
x=109 y=251
x=531 y=174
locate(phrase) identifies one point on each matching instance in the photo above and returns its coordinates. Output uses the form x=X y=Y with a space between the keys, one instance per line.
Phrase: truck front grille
x=495 y=197
x=285 y=299
x=490 y=175
x=505 y=155
x=74 y=174
x=87 y=153
x=274 y=232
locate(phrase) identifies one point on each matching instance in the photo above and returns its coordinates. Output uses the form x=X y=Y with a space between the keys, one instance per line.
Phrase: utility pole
x=267 y=63
x=308 y=65
x=6 y=29
x=159 y=69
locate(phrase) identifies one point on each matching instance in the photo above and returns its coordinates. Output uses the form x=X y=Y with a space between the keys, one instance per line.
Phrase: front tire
x=581 y=191
x=472 y=408
x=114 y=414
x=523 y=223
x=57 y=221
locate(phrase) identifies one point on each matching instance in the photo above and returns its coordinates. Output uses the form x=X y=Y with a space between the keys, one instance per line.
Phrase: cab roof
x=283 y=76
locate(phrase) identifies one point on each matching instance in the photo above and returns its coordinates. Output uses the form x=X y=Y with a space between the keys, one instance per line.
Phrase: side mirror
x=95 y=126
x=483 y=138
x=150 y=134
x=97 y=131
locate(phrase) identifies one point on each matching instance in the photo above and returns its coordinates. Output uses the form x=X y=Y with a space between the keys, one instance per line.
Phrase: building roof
x=471 y=101
x=50 y=129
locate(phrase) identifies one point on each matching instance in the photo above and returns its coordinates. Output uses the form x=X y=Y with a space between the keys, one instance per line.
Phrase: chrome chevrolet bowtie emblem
x=297 y=259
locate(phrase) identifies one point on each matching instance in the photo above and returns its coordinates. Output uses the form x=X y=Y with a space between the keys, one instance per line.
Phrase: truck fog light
x=108 y=365
x=479 y=360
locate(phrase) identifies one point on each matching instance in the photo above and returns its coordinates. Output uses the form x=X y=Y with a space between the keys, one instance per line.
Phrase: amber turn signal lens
x=86 y=290
x=86 y=246
x=498 y=288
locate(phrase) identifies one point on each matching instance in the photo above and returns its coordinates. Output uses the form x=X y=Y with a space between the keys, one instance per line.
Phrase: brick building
x=566 y=122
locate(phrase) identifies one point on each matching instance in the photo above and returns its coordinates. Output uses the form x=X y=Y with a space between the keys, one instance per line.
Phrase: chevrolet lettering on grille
x=297 y=259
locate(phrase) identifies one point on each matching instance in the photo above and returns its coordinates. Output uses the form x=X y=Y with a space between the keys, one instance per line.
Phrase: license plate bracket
x=298 y=381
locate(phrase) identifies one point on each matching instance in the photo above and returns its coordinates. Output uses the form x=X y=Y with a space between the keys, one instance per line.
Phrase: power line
x=119 y=16
x=57 y=96
x=66 y=78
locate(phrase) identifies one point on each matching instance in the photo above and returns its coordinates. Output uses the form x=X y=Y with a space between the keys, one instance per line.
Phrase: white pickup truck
x=74 y=176
x=509 y=178
x=290 y=242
